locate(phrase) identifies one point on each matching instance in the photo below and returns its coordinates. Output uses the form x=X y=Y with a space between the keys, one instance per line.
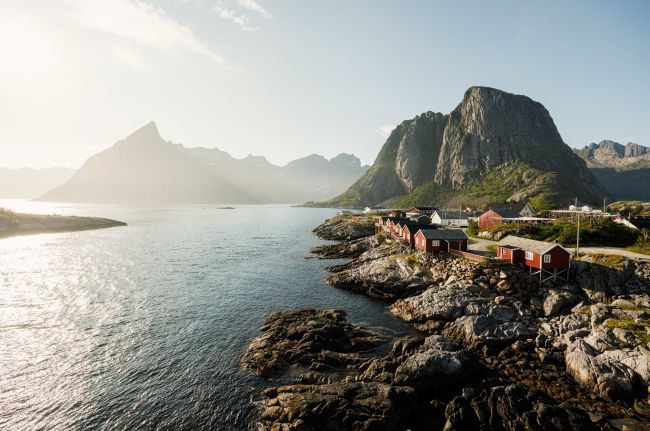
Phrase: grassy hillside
x=513 y=181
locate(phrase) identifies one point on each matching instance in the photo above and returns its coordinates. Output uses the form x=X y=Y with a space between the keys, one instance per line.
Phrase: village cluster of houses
x=415 y=228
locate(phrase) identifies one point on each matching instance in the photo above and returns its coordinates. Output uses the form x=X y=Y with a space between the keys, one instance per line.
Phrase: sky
x=285 y=79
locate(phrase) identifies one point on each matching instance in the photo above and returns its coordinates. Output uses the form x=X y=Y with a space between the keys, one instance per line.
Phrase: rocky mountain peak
x=147 y=133
x=488 y=130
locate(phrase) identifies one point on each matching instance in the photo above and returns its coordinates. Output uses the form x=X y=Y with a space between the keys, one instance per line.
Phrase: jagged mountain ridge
x=450 y=154
x=145 y=168
x=624 y=170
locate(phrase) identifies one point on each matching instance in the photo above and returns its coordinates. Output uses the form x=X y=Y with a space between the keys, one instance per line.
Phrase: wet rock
x=319 y=339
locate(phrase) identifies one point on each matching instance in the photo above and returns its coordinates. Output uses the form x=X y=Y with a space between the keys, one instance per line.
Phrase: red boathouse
x=550 y=260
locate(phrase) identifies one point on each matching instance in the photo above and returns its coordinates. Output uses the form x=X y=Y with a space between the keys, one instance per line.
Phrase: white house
x=450 y=218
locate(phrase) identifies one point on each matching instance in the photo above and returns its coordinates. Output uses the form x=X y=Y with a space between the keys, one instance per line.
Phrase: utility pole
x=578 y=237
x=604 y=206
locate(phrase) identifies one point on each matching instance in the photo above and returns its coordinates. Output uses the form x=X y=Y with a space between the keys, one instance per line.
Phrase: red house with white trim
x=547 y=258
x=416 y=211
x=432 y=240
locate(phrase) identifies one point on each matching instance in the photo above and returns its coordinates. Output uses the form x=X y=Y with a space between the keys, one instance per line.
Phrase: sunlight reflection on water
x=142 y=326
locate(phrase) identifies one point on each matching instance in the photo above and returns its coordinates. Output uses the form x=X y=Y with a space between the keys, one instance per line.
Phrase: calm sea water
x=142 y=327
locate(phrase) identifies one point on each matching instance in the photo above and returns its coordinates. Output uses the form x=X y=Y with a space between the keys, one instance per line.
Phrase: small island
x=14 y=224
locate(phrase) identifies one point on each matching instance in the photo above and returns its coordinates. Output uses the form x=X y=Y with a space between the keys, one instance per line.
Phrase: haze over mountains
x=144 y=168
x=624 y=170
x=493 y=146
x=30 y=183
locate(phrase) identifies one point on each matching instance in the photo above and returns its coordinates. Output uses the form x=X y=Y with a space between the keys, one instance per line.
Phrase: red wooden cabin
x=547 y=258
x=415 y=211
x=493 y=216
x=432 y=240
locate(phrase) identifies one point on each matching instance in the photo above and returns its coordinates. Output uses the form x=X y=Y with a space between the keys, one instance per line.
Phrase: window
x=435 y=243
x=529 y=255
x=547 y=258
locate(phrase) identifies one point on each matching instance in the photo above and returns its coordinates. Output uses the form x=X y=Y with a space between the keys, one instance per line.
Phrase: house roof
x=415 y=227
x=506 y=212
x=423 y=208
x=446 y=234
x=538 y=247
x=452 y=215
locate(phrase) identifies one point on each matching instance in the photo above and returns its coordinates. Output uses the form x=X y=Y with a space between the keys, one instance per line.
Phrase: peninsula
x=14 y=224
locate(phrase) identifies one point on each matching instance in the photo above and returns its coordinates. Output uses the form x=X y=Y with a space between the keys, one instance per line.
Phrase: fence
x=468 y=255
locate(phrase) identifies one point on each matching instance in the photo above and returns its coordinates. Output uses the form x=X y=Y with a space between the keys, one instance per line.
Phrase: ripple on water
x=142 y=327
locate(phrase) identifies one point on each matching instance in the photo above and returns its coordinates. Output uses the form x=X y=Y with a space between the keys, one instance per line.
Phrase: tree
x=539 y=203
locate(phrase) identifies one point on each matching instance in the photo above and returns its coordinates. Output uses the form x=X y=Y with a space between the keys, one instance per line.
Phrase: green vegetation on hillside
x=513 y=181
x=633 y=208
x=605 y=233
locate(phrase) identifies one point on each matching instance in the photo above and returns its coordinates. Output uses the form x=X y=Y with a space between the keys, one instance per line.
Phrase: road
x=611 y=250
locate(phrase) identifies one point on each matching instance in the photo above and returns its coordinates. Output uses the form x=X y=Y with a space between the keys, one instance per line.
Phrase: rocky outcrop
x=342 y=228
x=346 y=249
x=339 y=406
x=489 y=130
x=313 y=339
x=380 y=273
x=502 y=405
x=607 y=346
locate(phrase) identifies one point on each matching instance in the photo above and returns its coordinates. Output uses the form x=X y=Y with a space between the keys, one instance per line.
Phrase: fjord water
x=142 y=327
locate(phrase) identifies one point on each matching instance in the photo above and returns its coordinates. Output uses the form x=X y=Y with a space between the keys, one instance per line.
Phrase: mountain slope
x=624 y=170
x=146 y=168
x=434 y=158
x=25 y=183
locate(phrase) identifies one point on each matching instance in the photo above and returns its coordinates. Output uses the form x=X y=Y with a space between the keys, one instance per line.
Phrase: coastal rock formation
x=318 y=340
x=342 y=228
x=378 y=274
x=339 y=406
x=607 y=346
x=502 y=405
x=346 y=249
x=490 y=131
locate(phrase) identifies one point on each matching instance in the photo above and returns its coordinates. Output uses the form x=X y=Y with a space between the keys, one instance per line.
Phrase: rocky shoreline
x=497 y=351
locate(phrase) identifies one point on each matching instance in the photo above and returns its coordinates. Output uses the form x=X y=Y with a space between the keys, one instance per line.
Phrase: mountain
x=624 y=170
x=494 y=146
x=145 y=168
x=25 y=183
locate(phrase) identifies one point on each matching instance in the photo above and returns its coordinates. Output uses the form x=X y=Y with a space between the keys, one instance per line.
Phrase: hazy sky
x=288 y=78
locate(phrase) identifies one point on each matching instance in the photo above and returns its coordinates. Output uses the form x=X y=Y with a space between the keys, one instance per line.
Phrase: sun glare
x=28 y=51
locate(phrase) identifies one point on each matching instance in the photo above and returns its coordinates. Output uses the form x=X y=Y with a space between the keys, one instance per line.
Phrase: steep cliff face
x=488 y=130
x=624 y=170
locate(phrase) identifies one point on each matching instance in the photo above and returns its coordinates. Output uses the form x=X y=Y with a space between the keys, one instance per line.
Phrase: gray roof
x=506 y=212
x=454 y=215
x=446 y=234
x=539 y=247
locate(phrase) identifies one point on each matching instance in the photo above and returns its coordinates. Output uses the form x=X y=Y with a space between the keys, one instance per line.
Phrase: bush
x=472 y=227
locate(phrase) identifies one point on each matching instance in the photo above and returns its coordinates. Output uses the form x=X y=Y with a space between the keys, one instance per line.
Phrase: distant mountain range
x=495 y=146
x=624 y=170
x=29 y=183
x=145 y=168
